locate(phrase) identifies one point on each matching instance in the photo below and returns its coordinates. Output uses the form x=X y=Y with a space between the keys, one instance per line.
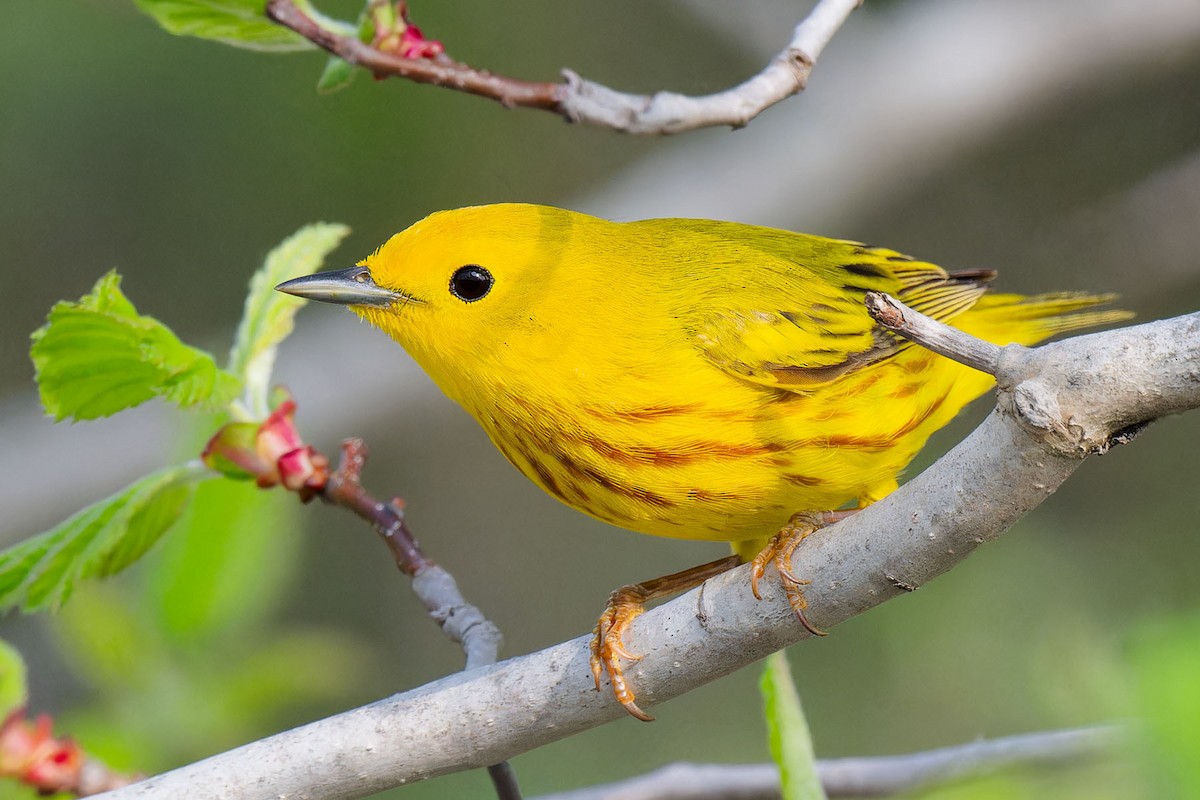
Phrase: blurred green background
x=1057 y=142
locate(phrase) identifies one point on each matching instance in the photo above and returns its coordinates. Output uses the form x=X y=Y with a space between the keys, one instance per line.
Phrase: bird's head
x=459 y=288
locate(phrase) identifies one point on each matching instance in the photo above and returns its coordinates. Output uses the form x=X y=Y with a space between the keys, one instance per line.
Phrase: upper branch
x=668 y=112
x=1057 y=404
x=580 y=100
x=439 y=71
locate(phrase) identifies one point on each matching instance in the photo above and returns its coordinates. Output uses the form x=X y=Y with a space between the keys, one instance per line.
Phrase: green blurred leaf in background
x=14 y=689
x=788 y=734
x=192 y=655
x=1166 y=661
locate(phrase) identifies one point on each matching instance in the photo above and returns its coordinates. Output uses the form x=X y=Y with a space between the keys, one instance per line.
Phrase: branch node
x=1035 y=406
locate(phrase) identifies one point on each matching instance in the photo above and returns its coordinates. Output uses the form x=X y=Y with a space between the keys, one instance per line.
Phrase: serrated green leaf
x=99 y=356
x=787 y=732
x=240 y=23
x=338 y=74
x=268 y=316
x=14 y=689
x=100 y=540
x=148 y=522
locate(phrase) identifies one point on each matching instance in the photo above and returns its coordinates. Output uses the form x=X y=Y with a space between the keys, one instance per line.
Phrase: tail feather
x=1008 y=318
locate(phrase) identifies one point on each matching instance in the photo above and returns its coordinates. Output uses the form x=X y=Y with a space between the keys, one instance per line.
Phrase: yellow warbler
x=684 y=377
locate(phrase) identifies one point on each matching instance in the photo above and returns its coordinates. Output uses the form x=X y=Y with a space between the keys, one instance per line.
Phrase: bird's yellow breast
x=716 y=458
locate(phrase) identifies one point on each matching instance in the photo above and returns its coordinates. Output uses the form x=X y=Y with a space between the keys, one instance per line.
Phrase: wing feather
x=796 y=320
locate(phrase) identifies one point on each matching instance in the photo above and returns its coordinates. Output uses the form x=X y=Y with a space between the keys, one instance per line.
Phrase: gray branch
x=578 y=100
x=933 y=335
x=1057 y=404
x=878 y=776
x=667 y=112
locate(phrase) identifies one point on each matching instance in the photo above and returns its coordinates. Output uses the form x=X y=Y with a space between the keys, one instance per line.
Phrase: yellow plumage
x=690 y=378
x=684 y=378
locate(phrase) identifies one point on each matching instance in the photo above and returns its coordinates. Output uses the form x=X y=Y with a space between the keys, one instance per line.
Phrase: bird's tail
x=1009 y=318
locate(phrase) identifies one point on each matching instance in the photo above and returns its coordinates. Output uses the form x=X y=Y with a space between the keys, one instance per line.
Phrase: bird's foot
x=779 y=550
x=623 y=607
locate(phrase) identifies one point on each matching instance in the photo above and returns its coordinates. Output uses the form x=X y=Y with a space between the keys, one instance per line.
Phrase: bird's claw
x=608 y=647
x=779 y=550
x=623 y=607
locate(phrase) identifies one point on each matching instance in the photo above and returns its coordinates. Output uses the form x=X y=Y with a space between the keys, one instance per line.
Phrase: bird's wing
x=796 y=320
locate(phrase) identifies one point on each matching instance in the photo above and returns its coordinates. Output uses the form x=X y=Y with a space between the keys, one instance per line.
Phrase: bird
x=687 y=378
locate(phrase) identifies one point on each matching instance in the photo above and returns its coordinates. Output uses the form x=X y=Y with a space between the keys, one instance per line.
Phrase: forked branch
x=583 y=101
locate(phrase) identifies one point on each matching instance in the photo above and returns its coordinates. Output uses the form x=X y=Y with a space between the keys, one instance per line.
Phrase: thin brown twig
x=504 y=781
x=387 y=519
x=445 y=72
x=582 y=101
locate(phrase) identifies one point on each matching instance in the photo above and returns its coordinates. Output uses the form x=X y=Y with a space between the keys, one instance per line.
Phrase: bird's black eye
x=471 y=282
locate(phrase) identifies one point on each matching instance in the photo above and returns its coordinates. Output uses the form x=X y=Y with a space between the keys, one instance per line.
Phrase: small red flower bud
x=271 y=453
x=413 y=44
x=30 y=753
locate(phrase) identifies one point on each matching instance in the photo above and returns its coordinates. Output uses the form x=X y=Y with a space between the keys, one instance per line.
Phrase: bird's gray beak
x=347 y=287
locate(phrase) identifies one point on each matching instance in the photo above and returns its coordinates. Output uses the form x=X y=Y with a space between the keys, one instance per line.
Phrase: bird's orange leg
x=624 y=605
x=780 y=549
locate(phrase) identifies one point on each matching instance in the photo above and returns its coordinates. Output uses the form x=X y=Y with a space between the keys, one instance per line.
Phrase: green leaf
x=14 y=689
x=338 y=74
x=1166 y=661
x=99 y=356
x=100 y=540
x=268 y=315
x=240 y=23
x=787 y=731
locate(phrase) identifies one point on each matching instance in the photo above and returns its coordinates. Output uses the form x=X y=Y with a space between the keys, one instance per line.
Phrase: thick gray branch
x=1057 y=404
x=877 y=776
